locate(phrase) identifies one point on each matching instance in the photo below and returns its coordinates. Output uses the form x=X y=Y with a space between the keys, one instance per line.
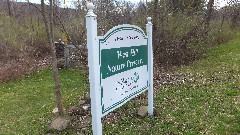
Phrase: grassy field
x=26 y=105
x=207 y=102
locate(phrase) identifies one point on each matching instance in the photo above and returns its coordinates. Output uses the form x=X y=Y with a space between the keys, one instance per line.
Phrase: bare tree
x=208 y=15
x=155 y=10
x=235 y=17
x=49 y=31
x=9 y=8
x=195 y=5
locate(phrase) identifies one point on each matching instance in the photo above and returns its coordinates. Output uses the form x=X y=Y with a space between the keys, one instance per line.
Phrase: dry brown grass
x=16 y=68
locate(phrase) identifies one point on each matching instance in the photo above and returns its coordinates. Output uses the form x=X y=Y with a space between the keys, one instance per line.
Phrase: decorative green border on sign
x=115 y=30
x=101 y=41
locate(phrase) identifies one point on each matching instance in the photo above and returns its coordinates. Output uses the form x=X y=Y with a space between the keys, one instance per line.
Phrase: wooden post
x=67 y=56
x=94 y=70
x=150 y=65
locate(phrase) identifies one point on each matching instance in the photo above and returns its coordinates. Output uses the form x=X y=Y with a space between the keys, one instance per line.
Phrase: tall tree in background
x=155 y=14
x=177 y=6
x=197 y=5
x=235 y=16
x=208 y=15
x=49 y=31
x=9 y=8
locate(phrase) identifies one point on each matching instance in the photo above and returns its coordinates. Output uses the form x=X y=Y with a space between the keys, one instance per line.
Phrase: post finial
x=90 y=8
x=149 y=20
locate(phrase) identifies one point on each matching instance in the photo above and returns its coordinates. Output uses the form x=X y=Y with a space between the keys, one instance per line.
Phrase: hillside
x=205 y=101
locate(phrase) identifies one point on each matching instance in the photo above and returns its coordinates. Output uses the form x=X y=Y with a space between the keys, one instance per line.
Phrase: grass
x=207 y=104
x=26 y=105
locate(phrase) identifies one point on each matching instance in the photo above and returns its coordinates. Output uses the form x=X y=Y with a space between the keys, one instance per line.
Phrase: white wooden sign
x=123 y=65
x=120 y=67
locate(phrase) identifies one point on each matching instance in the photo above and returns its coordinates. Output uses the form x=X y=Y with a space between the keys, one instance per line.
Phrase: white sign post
x=120 y=67
x=150 y=64
x=94 y=72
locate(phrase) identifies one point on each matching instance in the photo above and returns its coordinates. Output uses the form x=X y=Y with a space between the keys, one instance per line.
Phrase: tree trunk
x=56 y=11
x=208 y=16
x=49 y=31
x=223 y=19
x=155 y=14
x=195 y=5
x=31 y=19
x=156 y=31
x=235 y=18
x=9 y=8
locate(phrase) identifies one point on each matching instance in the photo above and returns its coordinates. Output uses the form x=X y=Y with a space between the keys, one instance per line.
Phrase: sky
x=68 y=2
x=220 y=3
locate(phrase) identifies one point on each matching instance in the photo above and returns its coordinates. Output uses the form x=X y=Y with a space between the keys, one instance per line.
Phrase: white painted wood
x=150 y=63
x=94 y=69
x=121 y=44
x=124 y=65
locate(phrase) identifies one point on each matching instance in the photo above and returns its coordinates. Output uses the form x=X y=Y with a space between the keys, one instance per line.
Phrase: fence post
x=67 y=56
x=150 y=65
x=94 y=70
